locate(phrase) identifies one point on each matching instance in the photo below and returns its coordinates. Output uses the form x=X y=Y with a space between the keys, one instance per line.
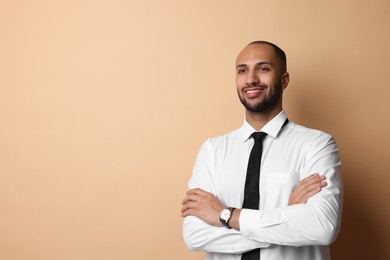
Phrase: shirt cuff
x=250 y=224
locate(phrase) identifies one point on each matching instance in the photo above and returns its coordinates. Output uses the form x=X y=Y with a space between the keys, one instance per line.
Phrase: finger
x=314 y=185
x=308 y=189
x=311 y=190
x=199 y=194
x=312 y=193
x=315 y=176
x=311 y=180
x=310 y=185
x=317 y=183
x=185 y=200
x=191 y=208
x=185 y=207
x=190 y=197
x=187 y=212
x=189 y=205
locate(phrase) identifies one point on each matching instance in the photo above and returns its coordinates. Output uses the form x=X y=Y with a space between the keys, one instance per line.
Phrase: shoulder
x=306 y=133
x=308 y=137
x=222 y=141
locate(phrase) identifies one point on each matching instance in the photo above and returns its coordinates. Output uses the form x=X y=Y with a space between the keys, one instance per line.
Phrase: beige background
x=104 y=105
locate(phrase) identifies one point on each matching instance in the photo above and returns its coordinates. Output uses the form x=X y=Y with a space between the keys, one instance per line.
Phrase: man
x=297 y=214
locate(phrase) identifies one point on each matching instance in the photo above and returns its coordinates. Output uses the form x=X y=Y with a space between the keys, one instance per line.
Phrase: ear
x=285 y=80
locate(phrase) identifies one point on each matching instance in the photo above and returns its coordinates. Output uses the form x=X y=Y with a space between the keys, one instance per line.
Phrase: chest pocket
x=276 y=188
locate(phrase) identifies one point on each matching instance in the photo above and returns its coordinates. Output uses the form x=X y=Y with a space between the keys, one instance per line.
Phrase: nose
x=252 y=78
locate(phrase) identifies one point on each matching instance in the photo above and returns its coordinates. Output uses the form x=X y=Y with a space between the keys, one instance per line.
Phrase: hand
x=203 y=205
x=306 y=188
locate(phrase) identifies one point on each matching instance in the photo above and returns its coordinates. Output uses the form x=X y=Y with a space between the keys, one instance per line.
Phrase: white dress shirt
x=291 y=153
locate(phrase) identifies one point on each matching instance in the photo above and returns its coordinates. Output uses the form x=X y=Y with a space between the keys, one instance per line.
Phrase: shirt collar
x=272 y=128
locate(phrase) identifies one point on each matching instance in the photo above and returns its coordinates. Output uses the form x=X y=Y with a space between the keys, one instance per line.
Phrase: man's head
x=261 y=77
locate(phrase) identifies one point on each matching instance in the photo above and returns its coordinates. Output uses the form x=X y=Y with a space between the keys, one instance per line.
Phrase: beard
x=267 y=104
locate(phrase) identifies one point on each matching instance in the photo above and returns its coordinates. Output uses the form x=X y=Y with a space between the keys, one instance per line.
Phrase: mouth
x=252 y=92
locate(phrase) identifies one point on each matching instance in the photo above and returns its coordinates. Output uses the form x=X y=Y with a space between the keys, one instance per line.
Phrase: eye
x=263 y=69
x=241 y=71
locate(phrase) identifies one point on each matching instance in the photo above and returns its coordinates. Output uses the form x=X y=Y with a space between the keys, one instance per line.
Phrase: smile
x=252 y=92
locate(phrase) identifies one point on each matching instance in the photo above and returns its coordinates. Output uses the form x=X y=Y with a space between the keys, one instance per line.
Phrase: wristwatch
x=225 y=216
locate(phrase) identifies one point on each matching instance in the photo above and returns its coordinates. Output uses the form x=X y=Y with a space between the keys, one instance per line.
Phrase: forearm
x=200 y=236
x=297 y=225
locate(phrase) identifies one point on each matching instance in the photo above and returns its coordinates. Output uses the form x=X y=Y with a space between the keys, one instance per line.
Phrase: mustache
x=256 y=85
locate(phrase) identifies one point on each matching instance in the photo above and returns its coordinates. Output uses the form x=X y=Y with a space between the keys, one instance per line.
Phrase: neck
x=260 y=119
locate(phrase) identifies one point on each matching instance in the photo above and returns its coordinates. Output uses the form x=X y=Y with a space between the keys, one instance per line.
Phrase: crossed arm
x=206 y=206
x=312 y=216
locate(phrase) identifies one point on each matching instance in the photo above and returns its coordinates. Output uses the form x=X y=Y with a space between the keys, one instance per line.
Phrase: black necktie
x=251 y=192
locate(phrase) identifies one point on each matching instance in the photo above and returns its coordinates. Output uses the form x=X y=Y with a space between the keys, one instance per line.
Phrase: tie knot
x=258 y=136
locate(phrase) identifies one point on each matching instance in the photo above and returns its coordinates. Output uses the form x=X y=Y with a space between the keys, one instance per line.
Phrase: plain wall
x=104 y=105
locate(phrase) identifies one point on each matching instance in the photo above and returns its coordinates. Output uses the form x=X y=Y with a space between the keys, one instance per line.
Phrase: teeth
x=252 y=91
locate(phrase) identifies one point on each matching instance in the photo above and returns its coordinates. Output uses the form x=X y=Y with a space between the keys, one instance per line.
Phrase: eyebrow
x=257 y=64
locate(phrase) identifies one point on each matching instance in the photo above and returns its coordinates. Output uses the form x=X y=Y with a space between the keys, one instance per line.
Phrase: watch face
x=225 y=214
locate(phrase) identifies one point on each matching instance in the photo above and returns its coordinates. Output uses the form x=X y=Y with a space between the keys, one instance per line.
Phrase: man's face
x=259 y=81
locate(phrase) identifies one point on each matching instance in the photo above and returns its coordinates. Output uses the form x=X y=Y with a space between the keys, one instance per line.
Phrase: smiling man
x=259 y=192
